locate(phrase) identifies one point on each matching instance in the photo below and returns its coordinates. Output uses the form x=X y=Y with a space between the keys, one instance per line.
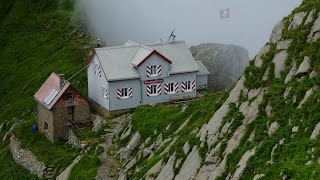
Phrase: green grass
x=58 y=154
x=36 y=38
x=86 y=168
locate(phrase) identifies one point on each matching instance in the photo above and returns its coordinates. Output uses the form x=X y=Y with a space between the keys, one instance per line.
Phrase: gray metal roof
x=202 y=69
x=119 y=62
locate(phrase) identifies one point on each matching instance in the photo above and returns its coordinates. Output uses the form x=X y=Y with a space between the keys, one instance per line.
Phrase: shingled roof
x=120 y=62
x=50 y=91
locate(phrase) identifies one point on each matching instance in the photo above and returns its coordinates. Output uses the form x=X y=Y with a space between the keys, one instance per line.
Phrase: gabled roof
x=120 y=62
x=50 y=91
x=142 y=53
x=202 y=69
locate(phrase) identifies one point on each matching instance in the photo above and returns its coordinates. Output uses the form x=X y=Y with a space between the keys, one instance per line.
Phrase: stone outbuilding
x=60 y=108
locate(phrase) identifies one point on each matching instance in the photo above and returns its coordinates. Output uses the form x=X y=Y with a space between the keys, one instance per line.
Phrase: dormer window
x=154 y=70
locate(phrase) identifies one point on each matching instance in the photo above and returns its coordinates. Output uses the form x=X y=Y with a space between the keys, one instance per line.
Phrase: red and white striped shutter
x=148 y=90
x=176 y=87
x=166 y=88
x=130 y=92
x=183 y=86
x=193 y=85
x=119 y=93
x=106 y=93
x=99 y=71
x=148 y=71
x=159 y=70
x=159 y=89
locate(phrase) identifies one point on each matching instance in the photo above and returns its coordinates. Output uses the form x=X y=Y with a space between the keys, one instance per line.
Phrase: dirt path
x=109 y=166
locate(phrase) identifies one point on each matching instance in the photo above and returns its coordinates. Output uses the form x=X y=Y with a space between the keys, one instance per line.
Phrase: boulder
x=295 y=129
x=154 y=170
x=315 y=31
x=277 y=32
x=132 y=163
x=126 y=132
x=297 y=20
x=124 y=153
x=308 y=94
x=269 y=110
x=186 y=148
x=266 y=74
x=273 y=128
x=190 y=166
x=258 y=60
x=291 y=73
x=286 y=92
x=134 y=142
x=304 y=67
x=315 y=132
x=310 y=17
x=167 y=172
x=313 y=74
x=284 y=45
x=242 y=164
x=258 y=176
x=98 y=123
x=280 y=63
x=158 y=141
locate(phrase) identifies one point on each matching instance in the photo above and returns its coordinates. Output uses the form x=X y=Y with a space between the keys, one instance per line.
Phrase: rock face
x=243 y=164
x=273 y=128
x=297 y=20
x=315 y=31
x=167 y=171
x=26 y=158
x=277 y=32
x=190 y=165
x=258 y=60
x=225 y=63
x=315 y=132
x=304 y=67
x=134 y=142
x=291 y=73
x=279 y=60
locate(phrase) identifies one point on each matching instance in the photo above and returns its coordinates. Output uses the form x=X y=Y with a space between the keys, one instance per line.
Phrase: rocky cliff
x=226 y=63
x=266 y=127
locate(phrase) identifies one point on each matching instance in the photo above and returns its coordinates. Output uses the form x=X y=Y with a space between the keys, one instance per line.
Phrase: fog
x=146 y=21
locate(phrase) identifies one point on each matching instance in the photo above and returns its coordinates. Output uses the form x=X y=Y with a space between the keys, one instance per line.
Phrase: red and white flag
x=225 y=13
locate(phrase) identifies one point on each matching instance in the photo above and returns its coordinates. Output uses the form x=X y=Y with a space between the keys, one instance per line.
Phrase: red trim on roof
x=158 y=54
x=93 y=53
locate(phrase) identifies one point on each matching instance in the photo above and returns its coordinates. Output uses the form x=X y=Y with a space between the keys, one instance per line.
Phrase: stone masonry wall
x=26 y=158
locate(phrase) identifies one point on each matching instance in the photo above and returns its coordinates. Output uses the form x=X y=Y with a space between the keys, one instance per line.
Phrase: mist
x=146 y=21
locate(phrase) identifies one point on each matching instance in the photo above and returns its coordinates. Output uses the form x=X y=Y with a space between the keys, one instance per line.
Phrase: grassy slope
x=36 y=38
x=289 y=158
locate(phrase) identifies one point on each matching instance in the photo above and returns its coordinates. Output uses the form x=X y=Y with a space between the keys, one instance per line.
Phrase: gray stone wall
x=26 y=158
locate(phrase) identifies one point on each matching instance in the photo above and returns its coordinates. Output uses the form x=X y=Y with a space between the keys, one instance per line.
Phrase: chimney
x=61 y=80
x=98 y=43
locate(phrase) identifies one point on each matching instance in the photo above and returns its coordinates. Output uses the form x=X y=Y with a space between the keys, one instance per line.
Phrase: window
x=153 y=90
x=70 y=96
x=188 y=85
x=153 y=70
x=45 y=126
x=171 y=88
x=124 y=92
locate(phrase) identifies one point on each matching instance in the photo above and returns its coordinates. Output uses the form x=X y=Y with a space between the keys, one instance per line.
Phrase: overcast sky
x=146 y=21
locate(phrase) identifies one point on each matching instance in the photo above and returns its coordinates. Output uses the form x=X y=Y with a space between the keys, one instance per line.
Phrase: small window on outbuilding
x=45 y=126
